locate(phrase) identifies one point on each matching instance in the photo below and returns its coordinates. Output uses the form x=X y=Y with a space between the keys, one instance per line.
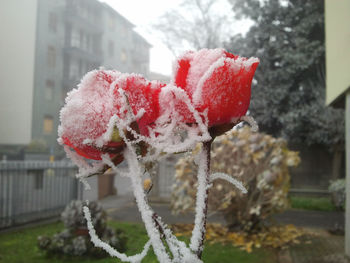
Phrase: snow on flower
x=217 y=81
x=88 y=118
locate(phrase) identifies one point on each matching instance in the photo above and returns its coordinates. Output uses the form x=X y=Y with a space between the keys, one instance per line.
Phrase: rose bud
x=87 y=115
x=216 y=81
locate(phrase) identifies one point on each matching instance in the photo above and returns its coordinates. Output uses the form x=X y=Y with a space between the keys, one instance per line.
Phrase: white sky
x=143 y=13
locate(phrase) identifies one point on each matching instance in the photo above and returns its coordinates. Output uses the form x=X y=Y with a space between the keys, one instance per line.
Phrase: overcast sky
x=143 y=13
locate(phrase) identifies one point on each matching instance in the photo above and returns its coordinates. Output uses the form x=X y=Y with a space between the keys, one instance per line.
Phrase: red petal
x=181 y=75
x=85 y=151
x=230 y=55
x=142 y=94
x=227 y=93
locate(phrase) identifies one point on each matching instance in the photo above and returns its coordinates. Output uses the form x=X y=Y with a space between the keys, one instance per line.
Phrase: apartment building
x=49 y=46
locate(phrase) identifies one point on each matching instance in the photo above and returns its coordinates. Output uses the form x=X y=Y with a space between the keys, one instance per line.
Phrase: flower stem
x=199 y=230
x=145 y=210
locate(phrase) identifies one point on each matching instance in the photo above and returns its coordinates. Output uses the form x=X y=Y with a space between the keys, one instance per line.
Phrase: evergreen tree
x=288 y=94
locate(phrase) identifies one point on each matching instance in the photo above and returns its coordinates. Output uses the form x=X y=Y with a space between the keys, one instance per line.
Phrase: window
x=51 y=56
x=52 y=22
x=74 y=70
x=85 y=44
x=48 y=124
x=123 y=56
x=124 y=30
x=111 y=48
x=49 y=89
x=75 y=38
x=88 y=43
x=111 y=22
x=81 y=38
x=83 y=9
x=81 y=70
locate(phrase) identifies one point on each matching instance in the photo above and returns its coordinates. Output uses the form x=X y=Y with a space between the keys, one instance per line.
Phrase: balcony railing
x=95 y=57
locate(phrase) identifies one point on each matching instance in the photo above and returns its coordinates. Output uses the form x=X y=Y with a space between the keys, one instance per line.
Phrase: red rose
x=88 y=111
x=217 y=81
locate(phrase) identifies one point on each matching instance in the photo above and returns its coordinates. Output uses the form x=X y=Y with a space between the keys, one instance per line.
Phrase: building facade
x=338 y=80
x=59 y=40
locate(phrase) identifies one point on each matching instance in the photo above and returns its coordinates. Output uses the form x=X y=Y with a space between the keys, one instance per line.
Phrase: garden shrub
x=258 y=160
x=74 y=240
x=338 y=191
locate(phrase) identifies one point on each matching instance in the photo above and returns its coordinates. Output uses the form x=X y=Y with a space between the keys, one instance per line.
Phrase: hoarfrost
x=229 y=179
x=110 y=250
x=168 y=134
x=250 y=120
x=180 y=252
x=85 y=169
x=202 y=195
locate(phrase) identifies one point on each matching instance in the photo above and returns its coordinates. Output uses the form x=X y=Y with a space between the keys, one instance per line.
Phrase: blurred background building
x=49 y=46
x=338 y=80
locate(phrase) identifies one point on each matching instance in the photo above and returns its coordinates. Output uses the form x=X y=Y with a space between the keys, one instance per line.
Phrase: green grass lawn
x=20 y=246
x=312 y=203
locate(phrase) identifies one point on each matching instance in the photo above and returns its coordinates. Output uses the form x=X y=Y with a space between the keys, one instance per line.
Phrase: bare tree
x=194 y=24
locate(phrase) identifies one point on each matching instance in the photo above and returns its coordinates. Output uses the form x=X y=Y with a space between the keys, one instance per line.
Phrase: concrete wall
x=17 y=27
x=337 y=47
x=315 y=168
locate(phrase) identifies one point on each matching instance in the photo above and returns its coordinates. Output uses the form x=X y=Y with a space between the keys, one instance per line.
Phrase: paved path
x=312 y=219
x=124 y=209
x=324 y=248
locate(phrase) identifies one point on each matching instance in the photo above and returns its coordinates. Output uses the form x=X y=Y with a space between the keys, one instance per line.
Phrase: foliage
x=193 y=25
x=19 y=246
x=289 y=96
x=271 y=237
x=74 y=239
x=37 y=145
x=264 y=162
x=312 y=203
x=338 y=190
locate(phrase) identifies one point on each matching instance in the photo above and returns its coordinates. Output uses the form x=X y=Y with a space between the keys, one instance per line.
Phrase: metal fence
x=33 y=190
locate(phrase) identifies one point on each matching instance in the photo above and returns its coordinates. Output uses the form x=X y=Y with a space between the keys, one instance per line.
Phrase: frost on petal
x=217 y=81
x=88 y=119
x=87 y=112
x=226 y=90
x=172 y=133
x=193 y=65
x=143 y=95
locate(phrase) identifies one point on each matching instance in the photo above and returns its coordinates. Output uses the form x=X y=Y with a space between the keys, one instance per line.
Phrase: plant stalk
x=199 y=230
x=145 y=210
